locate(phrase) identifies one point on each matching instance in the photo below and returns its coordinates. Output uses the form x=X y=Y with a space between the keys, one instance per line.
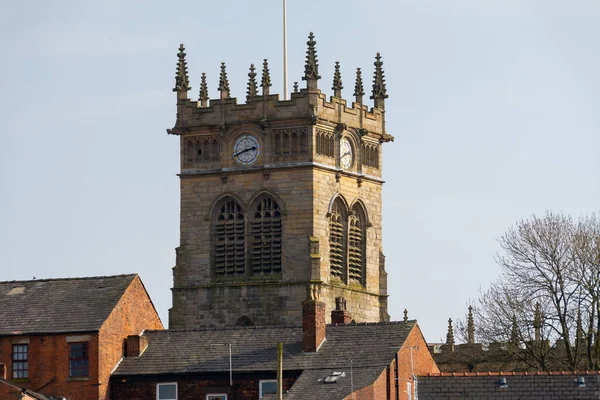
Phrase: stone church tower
x=278 y=199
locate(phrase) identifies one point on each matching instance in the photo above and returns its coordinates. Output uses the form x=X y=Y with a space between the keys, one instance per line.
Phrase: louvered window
x=337 y=234
x=355 y=248
x=265 y=231
x=229 y=239
x=325 y=143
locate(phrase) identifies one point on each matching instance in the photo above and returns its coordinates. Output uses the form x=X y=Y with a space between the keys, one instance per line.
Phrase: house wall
x=193 y=387
x=48 y=369
x=422 y=361
x=132 y=314
x=376 y=391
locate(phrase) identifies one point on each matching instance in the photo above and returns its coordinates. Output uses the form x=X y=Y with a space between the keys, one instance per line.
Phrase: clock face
x=345 y=153
x=246 y=150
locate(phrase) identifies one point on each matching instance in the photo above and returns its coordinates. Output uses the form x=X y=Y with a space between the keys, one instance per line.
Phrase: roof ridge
x=516 y=373
x=411 y=321
x=227 y=328
x=71 y=279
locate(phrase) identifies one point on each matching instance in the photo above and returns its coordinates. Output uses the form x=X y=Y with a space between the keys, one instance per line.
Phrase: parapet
x=305 y=106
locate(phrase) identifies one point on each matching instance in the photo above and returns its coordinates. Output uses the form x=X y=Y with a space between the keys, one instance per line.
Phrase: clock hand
x=245 y=151
x=345 y=154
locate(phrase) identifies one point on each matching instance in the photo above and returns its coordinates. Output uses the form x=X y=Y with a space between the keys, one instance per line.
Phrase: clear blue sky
x=494 y=106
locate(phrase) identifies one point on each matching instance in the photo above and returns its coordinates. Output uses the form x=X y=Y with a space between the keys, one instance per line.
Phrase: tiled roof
x=59 y=305
x=360 y=350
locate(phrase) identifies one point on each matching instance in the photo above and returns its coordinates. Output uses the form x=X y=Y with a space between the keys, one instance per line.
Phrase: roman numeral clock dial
x=246 y=150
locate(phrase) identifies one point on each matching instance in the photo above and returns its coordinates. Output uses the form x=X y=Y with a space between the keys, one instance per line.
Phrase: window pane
x=167 y=392
x=216 y=397
x=268 y=388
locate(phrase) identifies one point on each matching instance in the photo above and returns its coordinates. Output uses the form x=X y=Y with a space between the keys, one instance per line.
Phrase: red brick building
x=336 y=361
x=64 y=337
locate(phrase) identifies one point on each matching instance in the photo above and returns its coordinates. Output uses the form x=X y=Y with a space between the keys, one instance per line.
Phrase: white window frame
x=165 y=384
x=260 y=382
x=409 y=390
x=216 y=394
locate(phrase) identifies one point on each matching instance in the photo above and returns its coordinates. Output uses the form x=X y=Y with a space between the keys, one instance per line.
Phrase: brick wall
x=192 y=388
x=8 y=392
x=376 y=391
x=558 y=385
x=422 y=361
x=313 y=325
x=49 y=365
x=133 y=314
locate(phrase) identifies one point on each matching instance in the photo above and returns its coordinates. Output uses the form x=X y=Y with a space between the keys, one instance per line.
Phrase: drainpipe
x=397 y=378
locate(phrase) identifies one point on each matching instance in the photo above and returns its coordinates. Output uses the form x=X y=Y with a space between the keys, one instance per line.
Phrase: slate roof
x=203 y=351
x=59 y=305
x=370 y=347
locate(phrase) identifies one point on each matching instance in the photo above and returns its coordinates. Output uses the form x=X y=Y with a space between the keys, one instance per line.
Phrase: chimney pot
x=340 y=315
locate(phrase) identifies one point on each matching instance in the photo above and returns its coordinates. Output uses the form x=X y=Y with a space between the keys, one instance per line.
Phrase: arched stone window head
x=228 y=234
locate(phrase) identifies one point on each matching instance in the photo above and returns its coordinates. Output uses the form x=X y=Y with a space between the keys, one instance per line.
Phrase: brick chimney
x=340 y=315
x=313 y=321
x=136 y=344
x=2 y=371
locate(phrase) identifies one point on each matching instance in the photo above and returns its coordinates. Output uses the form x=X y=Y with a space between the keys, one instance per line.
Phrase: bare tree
x=545 y=307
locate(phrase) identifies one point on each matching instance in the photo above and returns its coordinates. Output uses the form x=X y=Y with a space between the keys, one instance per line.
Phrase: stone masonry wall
x=304 y=184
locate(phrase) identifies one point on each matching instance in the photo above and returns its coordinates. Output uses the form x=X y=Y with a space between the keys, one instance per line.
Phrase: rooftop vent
x=333 y=378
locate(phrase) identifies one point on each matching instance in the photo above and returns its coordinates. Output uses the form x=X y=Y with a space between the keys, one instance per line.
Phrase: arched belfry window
x=337 y=239
x=356 y=244
x=265 y=234
x=229 y=239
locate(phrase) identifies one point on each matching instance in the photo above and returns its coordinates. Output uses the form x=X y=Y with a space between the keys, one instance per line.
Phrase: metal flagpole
x=285 y=87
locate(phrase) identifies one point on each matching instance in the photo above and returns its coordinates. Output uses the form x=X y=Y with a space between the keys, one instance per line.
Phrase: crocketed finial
x=203 y=96
x=580 y=333
x=359 y=90
x=537 y=322
x=379 y=90
x=514 y=332
x=450 y=334
x=223 y=82
x=311 y=67
x=337 y=81
x=265 y=82
x=252 y=91
x=470 y=327
x=182 y=81
x=405 y=315
x=295 y=87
